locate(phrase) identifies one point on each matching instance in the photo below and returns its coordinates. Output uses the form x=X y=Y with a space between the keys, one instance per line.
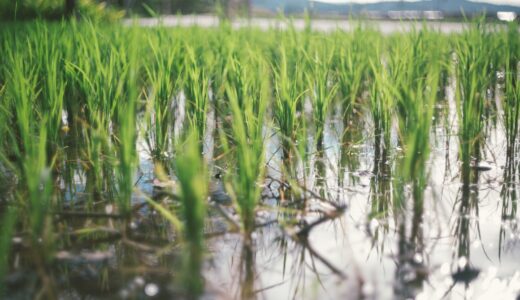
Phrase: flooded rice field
x=186 y=163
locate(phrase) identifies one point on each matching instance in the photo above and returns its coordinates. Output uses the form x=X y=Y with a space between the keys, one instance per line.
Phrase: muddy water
x=459 y=246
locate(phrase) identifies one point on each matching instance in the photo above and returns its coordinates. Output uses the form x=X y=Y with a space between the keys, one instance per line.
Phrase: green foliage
x=247 y=136
x=193 y=182
x=287 y=98
x=55 y=9
x=474 y=72
x=78 y=99
x=197 y=91
x=163 y=75
x=321 y=85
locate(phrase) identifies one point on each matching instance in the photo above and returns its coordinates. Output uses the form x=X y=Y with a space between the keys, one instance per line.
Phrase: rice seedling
x=27 y=158
x=351 y=67
x=197 y=91
x=127 y=155
x=164 y=79
x=193 y=182
x=286 y=102
x=408 y=65
x=415 y=132
x=248 y=138
x=381 y=107
x=322 y=88
x=126 y=127
x=29 y=141
x=473 y=72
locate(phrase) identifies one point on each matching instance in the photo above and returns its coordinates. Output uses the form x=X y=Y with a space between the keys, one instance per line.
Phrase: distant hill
x=449 y=7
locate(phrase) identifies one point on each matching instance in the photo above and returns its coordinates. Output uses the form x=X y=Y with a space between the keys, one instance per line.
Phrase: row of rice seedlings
x=105 y=88
x=408 y=90
x=401 y=88
x=100 y=74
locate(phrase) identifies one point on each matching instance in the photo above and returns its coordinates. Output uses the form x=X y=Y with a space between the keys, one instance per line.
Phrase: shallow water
x=460 y=247
x=323 y=25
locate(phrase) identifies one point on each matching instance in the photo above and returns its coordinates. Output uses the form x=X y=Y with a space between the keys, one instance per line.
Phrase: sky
x=508 y=2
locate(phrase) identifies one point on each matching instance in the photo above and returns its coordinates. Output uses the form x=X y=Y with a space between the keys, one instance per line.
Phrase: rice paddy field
x=240 y=163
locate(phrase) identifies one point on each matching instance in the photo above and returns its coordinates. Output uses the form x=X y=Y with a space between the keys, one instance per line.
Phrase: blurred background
x=506 y=10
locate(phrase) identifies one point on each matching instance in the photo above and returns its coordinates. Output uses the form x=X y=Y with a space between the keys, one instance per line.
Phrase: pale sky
x=508 y=2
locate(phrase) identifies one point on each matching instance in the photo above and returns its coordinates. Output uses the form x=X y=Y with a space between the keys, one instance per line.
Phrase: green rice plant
x=28 y=141
x=21 y=93
x=196 y=88
x=381 y=106
x=322 y=88
x=408 y=63
x=126 y=131
x=52 y=97
x=99 y=75
x=291 y=46
x=243 y=74
x=247 y=136
x=36 y=172
x=163 y=75
x=97 y=149
x=511 y=114
x=473 y=71
x=193 y=179
x=411 y=82
x=511 y=106
x=42 y=53
x=100 y=80
x=286 y=102
x=127 y=155
x=105 y=87
x=351 y=66
x=220 y=52
x=28 y=158
x=236 y=75
x=415 y=132
x=382 y=109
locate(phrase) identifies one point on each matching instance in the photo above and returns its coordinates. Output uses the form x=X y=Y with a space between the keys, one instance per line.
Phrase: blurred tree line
x=113 y=9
